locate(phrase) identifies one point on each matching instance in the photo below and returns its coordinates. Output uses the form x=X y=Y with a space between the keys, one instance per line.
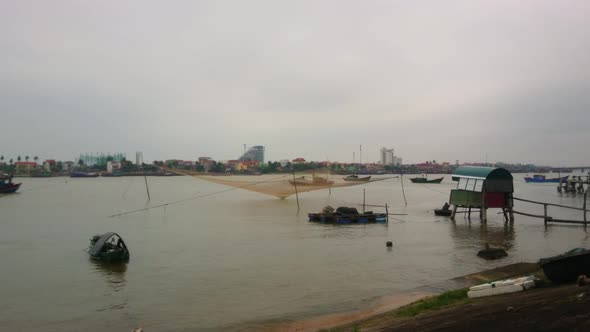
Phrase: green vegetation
x=433 y=303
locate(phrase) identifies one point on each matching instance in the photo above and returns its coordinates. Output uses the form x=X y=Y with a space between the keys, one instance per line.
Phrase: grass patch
x=433 y=303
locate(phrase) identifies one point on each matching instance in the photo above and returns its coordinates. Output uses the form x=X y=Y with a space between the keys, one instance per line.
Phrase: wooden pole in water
x=401 y=176
x=147 y=188
x=295 y=184
x=386 y=214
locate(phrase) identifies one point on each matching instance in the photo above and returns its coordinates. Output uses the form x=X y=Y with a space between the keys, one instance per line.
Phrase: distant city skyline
x=437 y=80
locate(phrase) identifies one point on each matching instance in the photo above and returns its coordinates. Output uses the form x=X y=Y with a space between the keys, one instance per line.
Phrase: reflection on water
x=477 y=235
x=114 y=276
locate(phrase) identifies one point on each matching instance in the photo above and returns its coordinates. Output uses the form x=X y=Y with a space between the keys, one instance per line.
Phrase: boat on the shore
x=315 y=181
x=355 y=177
x=83 y=175
x=425 y=180
x=567 y=266
x=108 y=247
x=540 y=178
x=346 y=215
x=7 y=186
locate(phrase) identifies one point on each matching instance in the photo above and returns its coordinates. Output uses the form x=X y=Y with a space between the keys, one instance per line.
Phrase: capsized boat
x=354 y=177
x=540 y=178
x=425 y=180
x=567 y=266
x=346 y=215
x=7 y=186
x=108 y=247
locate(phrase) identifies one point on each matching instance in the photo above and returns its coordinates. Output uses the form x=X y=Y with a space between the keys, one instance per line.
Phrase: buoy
x=389 y=244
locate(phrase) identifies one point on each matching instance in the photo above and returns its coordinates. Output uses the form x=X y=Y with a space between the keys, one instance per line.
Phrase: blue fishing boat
x=539 y=178
x=7 y=186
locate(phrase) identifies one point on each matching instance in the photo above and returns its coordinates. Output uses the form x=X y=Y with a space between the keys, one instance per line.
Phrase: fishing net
x=285 y=185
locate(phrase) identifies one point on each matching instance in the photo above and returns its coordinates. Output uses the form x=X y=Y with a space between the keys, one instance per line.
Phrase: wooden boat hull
x=441 y=212
x=9 y=188
x=424 y=180
x=104 y=250
x=567 y=267
x=357 y=179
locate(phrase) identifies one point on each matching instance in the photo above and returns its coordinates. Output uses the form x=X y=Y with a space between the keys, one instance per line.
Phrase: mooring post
x=545 y=213
x=386 y=214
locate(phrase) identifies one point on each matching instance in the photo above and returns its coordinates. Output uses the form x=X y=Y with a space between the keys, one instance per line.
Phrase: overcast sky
x=440 y=80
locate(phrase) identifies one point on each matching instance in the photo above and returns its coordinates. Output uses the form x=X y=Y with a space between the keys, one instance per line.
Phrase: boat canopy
x=96 y=248
x=481 y=173
x=486 y=179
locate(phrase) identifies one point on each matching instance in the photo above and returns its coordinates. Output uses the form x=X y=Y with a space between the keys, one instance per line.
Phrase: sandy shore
x=387 y=304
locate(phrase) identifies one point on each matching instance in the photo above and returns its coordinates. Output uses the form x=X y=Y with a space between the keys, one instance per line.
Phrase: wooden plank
x=532 y=215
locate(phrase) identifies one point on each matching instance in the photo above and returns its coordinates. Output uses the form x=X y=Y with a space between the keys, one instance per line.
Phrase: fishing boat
x=540 y=178
x=108 y=247
x=425 y=180
x=7 y=186
x=346 y=215
x=444 y=211
x=83 y=175
x=567 y=266
x=354 y=177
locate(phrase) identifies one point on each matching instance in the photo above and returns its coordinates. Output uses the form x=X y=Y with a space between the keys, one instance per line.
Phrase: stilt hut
x=482 y=188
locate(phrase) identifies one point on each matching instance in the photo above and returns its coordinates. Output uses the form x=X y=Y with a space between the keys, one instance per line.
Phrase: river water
x=239 y=260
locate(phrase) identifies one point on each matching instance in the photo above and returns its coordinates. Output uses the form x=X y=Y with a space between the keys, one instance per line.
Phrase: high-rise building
x=255 y=153
x=387 y=157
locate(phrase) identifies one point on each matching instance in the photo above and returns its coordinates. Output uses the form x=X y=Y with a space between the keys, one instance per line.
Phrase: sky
x=435 y=80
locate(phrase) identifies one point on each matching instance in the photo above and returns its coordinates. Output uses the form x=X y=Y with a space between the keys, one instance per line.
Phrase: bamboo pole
x=386 y=213
x=296 y=193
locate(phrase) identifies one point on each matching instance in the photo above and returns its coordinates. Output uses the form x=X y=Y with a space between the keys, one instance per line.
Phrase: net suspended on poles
x=285 y=185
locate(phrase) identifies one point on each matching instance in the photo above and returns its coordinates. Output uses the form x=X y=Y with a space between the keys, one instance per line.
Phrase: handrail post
x=545 y=214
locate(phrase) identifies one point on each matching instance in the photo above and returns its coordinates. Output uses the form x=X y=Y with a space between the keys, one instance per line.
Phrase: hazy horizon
x=454 y=80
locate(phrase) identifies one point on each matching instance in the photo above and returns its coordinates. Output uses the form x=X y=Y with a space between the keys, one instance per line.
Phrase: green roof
x=487 y=173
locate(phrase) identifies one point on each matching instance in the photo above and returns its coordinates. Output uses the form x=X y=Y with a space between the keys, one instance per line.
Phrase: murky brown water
x=237 y=260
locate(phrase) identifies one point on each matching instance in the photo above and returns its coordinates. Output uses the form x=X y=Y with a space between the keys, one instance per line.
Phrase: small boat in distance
x=83 y=175
x=567 y=266
x=540 y=178
x=108 y=247
x=7 y=186
x=425 y=180
x=354 y=177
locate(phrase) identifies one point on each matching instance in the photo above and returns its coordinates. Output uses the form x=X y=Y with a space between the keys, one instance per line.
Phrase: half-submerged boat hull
x=568 y=266
x=344 y=215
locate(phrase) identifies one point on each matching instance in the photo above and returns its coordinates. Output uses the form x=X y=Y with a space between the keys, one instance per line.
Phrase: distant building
x=298 y=161
x=255 y=153
x=67 y=165
x=25 y=167
x=387 y=156
x=397 y=161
